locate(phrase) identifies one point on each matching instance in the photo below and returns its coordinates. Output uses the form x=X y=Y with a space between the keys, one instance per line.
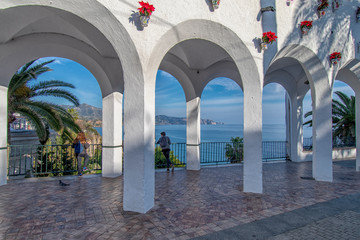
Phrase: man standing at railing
x=165 y=142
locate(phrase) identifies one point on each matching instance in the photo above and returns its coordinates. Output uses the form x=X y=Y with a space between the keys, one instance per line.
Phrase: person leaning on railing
x=80 y=145
x=165 y=142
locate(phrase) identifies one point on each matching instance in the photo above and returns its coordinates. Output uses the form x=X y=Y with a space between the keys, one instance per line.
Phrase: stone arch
x=205 y=29
x=113 y=44
x=62 y=28
x=27 y=48
x=350 y=74
x=216 y=33
x=316 y=75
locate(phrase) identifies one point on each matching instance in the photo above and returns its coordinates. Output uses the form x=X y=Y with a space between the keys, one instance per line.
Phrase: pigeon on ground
x=61 y=183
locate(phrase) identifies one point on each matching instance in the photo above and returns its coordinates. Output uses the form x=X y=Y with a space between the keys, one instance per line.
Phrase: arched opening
x=222 y=122
x=344 y=121
x=195 y=56
x=170 y=117
x=275 y=123
x=40 y=31
x=51 y=90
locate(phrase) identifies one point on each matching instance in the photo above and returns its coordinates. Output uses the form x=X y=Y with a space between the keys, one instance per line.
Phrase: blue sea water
x=222 y=133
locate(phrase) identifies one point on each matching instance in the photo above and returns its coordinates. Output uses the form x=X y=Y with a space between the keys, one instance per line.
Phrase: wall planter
x=335 y=5
x=145 y=12
x=323 y=5
x=335 y=57
x=215 y=3
x=358 y=14
x=267 y=38
x=288 y=2
x=305 y=26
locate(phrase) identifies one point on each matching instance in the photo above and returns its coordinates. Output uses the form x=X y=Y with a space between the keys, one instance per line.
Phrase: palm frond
x=46 y=112
x=34 y=120
x=50 y=84
x=59 y=93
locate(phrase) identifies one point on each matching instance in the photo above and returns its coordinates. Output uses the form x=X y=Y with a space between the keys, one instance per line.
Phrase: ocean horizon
x=222 y=133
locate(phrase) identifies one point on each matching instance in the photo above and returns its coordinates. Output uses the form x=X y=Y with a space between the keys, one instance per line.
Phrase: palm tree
x=23 y=98
x=343 y=119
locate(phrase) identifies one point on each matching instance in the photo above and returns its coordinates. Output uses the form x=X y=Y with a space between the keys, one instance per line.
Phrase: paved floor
x=187 y=205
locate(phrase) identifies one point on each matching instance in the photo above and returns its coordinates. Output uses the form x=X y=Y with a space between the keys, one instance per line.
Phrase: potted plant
x=305 y=26
x=323 y=5
x=215 y=3
x=335 y=5
x=288 y=2
x=335 y=58
x=145 y=12
x=358 y=14
x=267 y=38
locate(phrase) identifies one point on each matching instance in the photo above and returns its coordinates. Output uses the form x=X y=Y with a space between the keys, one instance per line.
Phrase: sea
x=222 y=133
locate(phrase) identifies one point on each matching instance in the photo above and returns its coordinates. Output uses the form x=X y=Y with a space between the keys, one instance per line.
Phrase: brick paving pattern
x=341 y=226
x=188 y=204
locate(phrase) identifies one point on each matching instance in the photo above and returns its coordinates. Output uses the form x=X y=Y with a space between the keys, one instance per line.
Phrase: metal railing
x=213 y=153
x=177 y=155
x=274 y=150
x=57 y=160
x=49 y=159
x=308 y=144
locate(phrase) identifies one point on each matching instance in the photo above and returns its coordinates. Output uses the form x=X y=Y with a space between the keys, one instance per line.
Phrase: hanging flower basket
x=358 y=14
x=145 y=12
x=323 y=5
x=335 y=5
x=335 y=57
x=305 y=26
x=215 y=3
x=288 y=2
x=267 y=38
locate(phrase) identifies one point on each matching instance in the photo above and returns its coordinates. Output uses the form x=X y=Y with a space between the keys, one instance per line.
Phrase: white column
x=299 y=132
x=357 y=121
x=289 y=125
x=112 y=135
x=294 y=115
x=3 y=135
x=322 y=135
x=139 y=146
x=193 y=134
x=253 y=140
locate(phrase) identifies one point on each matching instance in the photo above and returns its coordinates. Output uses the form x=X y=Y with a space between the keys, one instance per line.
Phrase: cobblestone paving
x=341 y=226
x=187 y=203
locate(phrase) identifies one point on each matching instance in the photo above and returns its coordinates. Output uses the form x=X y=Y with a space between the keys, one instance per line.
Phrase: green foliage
x=160 y=160
x=235 y=151
x=343 y=119
x=23 y=95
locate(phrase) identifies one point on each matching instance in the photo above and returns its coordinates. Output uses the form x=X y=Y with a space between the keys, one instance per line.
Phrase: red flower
x=307 y=24
x=334 y=57
x=146 y=9
x=269 y=37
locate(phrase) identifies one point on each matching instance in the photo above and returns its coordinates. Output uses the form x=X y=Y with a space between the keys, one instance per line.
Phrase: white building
x=194 y=43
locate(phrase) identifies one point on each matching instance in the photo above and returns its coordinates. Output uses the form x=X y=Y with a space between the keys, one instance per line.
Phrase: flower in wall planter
x=288 y=2
x=267 y=38
x=305 y=26
x=145 y=12
x=323 y=5
x=215 y=3
x=335 y=5
x=335 y=57
x=358 y=14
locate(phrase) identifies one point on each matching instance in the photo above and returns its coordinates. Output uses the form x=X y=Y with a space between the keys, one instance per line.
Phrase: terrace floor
x=188 y=204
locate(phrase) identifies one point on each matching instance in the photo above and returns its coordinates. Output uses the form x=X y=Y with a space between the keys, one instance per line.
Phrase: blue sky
x=221 y=100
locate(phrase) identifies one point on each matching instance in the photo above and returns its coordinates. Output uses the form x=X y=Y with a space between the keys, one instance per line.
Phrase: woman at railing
x=83 y=153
